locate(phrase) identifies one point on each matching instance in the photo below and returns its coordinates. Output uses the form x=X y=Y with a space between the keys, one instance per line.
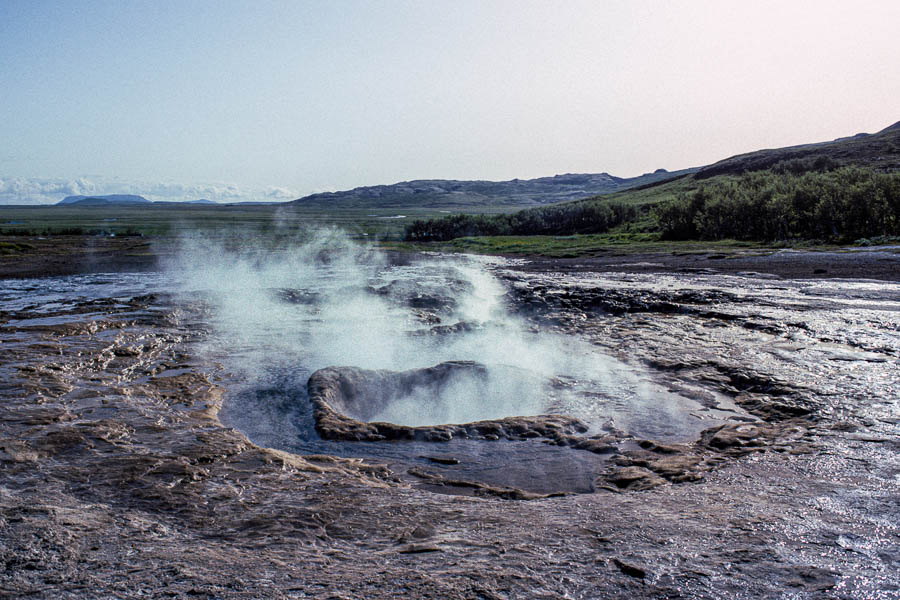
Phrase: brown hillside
x=879 y=151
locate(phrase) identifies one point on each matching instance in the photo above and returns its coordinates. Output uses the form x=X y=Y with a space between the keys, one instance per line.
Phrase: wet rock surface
x=117 y=478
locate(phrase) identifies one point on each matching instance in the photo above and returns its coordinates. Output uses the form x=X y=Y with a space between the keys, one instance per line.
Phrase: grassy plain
x=172 y=220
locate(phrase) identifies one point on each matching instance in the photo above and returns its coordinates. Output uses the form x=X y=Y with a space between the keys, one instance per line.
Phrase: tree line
x=558 y=219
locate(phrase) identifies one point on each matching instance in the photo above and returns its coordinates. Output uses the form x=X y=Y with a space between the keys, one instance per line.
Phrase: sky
x=267 y=100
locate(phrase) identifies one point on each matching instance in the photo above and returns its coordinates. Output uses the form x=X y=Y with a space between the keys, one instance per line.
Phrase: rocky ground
x=66 y=255
x=71 y=254
x=849 y=263
x=117 y=479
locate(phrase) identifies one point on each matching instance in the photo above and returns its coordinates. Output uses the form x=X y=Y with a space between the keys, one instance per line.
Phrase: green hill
x=841 y=190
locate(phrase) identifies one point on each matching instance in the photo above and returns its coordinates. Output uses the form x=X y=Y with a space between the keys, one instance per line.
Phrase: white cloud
x=38 y=191
x=280 y=193
x=21 y=190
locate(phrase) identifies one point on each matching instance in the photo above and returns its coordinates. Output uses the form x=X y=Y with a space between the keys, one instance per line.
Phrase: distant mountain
x=454 y=194
x=108 y=200
x=879 y=151
x=122 y=199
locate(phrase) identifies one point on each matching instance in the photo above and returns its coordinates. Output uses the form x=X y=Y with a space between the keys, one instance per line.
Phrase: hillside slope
x=879 y=151
x=453 y=194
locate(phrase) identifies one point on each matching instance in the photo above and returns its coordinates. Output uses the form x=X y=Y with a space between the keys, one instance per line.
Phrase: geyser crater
x=451 y=399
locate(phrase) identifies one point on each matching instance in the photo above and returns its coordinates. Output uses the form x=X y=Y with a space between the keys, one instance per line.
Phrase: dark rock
x=741 y=438
x=293 y=296
x=596 y=444
x=654 y=446
x=537 y=299
x=431 y=302
x=632 y=478
x=811 y=578
x=677 y=469
x=675 y=463
x=418 y=548
x=630 y=569
x=443 y=460
x=731 y=436
x=460 y=327
x=427 y=298
x=480 y=489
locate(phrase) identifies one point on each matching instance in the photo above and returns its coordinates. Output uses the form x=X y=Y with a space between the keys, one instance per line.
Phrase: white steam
x=277 y=316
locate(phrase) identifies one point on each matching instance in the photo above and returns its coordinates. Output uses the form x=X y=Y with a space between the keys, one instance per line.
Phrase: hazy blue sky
x=280 y=99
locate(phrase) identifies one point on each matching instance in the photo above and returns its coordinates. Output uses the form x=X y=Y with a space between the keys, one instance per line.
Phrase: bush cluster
x=840 y=205
x=64 y=231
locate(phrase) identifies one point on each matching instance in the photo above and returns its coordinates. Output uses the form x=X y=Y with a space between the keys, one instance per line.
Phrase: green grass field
x=575 y=246
x=170 y=220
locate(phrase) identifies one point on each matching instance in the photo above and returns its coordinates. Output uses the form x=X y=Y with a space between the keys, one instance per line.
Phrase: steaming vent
x=449 y=400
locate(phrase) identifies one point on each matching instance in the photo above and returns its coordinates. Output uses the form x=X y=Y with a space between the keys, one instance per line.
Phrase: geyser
x=411 y=347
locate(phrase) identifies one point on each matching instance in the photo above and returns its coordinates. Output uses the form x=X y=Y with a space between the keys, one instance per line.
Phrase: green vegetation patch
x=578 y=245
x=7 y=248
